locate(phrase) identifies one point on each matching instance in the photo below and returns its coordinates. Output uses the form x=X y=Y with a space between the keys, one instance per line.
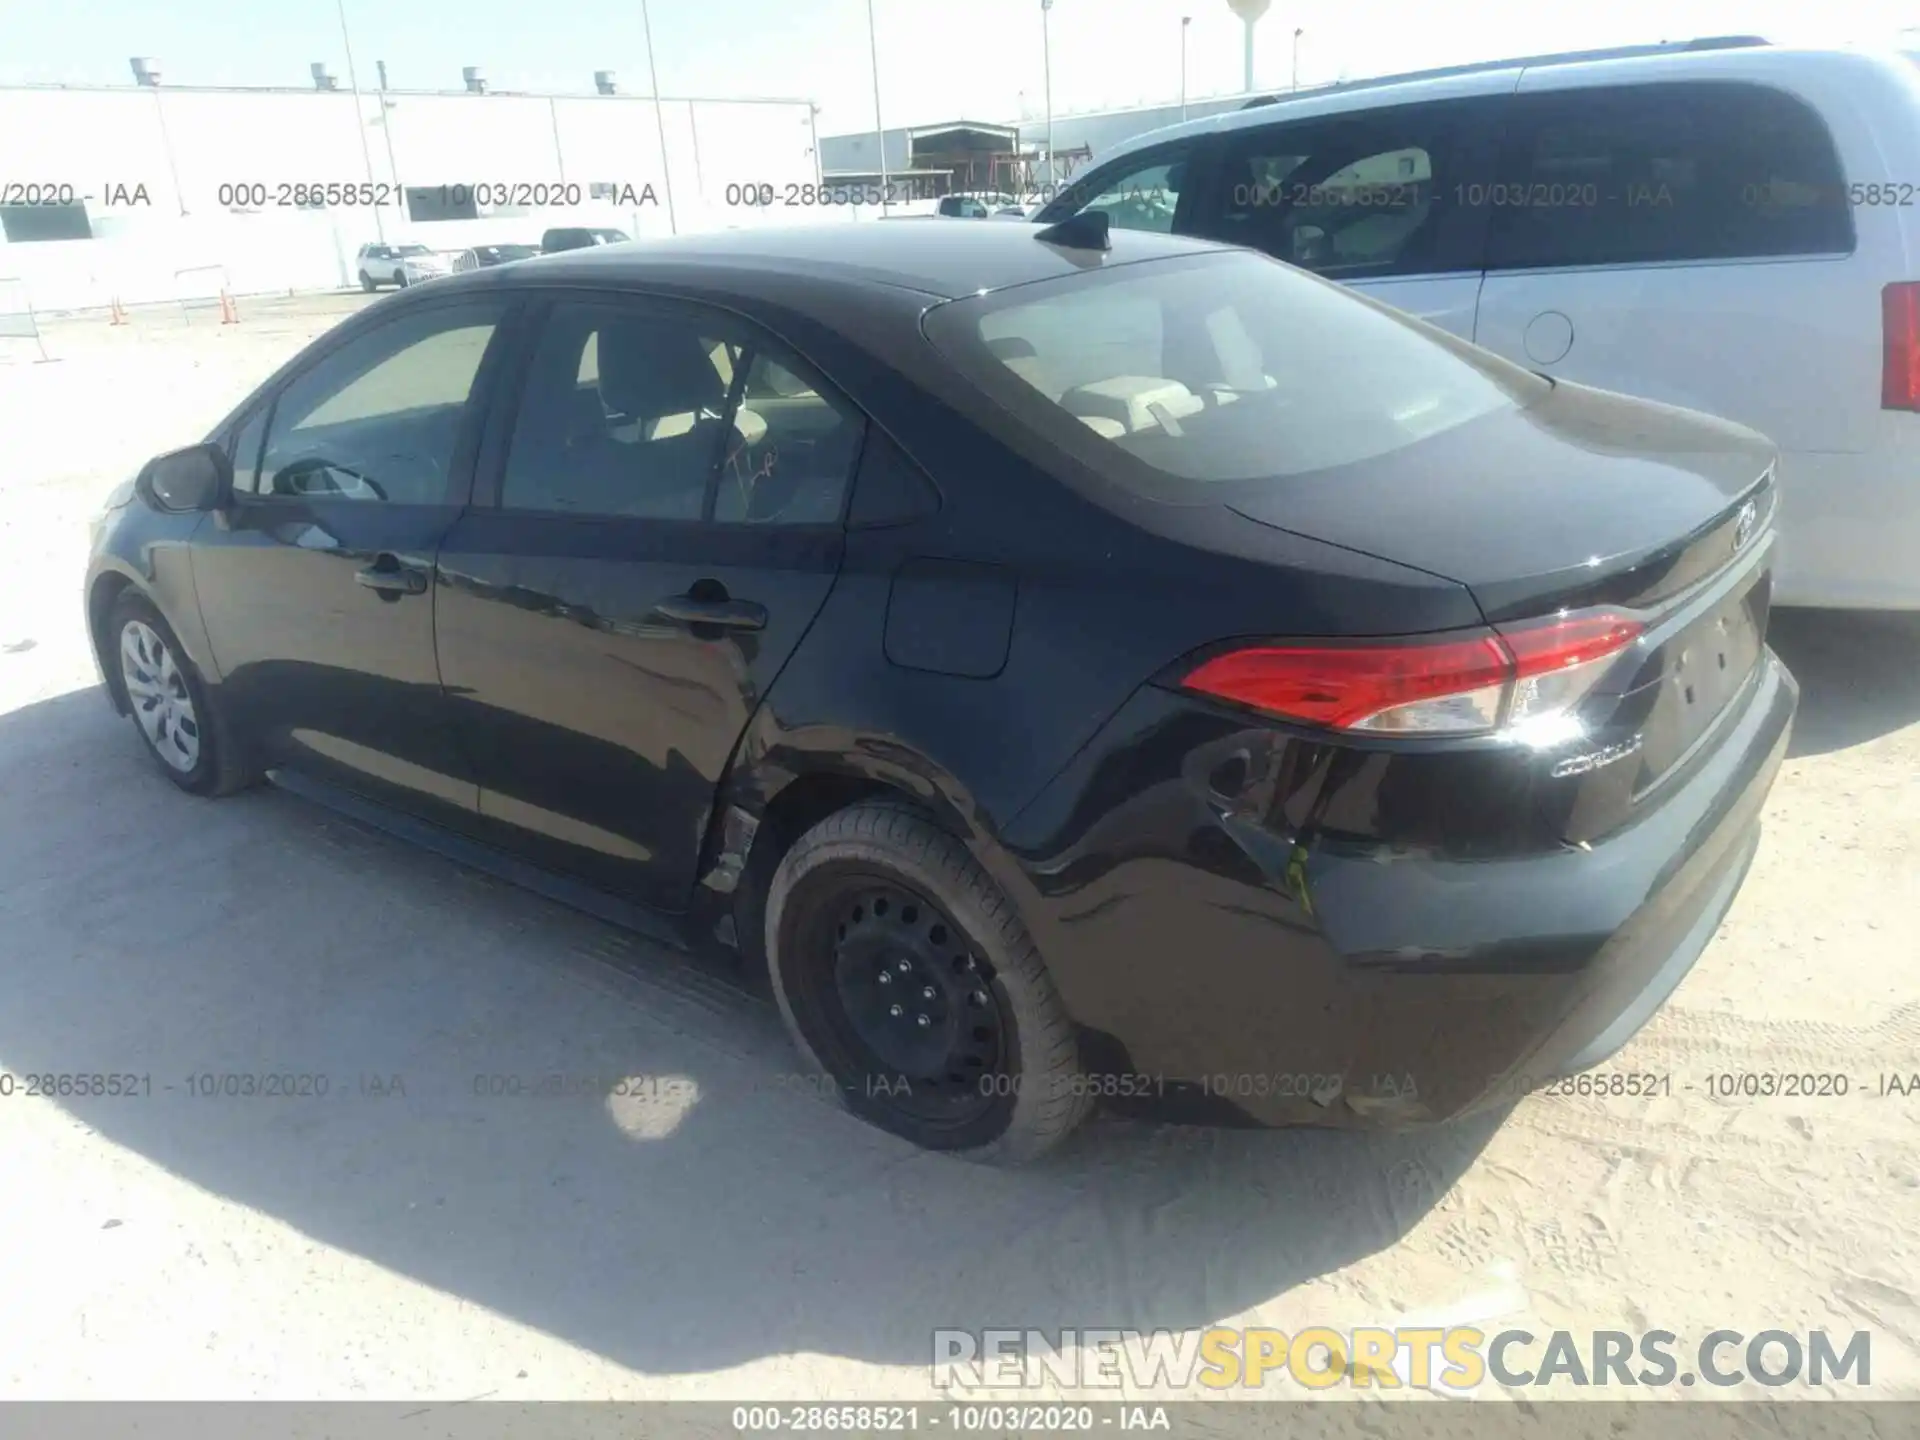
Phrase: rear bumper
x=1222 y=973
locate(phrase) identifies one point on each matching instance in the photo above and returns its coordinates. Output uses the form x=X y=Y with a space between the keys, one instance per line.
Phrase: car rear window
x=1179 y=375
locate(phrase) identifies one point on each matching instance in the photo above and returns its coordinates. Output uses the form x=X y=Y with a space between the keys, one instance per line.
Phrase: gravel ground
x=724 y=1234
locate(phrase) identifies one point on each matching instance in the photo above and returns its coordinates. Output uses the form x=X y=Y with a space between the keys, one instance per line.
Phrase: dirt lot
x=734 y=1237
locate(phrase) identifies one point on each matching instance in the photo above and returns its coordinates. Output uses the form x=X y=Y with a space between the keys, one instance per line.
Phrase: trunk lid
x=1584 y=497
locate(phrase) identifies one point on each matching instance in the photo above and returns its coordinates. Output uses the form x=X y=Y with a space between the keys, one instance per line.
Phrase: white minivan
x=1721 y=224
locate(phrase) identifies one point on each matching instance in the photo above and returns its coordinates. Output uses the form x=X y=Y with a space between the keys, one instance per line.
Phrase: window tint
x=638 y=413
x=245 y=452
x=378 y=418
x=623 y=415
x=791 y=452
x=1226 y=368
x=1138 y=195
x=1665 y=172
x=1352 y=196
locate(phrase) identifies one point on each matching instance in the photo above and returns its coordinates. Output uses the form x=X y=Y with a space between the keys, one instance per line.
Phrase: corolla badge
x=1743 y=527
x=1595 y=759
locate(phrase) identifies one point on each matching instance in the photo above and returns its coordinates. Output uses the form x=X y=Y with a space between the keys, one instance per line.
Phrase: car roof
x=1728 y=57
x=940 y=261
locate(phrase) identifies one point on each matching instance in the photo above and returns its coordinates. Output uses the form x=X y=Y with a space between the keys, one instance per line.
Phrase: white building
x=148 y=192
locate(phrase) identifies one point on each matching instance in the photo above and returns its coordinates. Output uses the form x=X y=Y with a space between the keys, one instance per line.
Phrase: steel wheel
x=905 y=975
x=911 y=1003
x=157 y=690
x=916 y=1001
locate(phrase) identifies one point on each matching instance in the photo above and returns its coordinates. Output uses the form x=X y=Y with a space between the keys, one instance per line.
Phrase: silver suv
x=400 y=265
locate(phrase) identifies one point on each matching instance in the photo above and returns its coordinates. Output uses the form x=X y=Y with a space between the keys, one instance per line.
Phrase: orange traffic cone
x=229 y=312
x=119 y=312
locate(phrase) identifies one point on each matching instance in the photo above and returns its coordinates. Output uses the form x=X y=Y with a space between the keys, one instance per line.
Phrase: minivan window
x=1669 y=172
x=1354 y=196
x=1141 y=196
x=1179 y=375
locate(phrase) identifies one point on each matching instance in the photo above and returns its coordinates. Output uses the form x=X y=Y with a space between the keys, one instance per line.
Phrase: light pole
x=879 y=125
x=1185 y=21
x=386 y=127
x=1046 y=63
x=166 y=144
x=1296 y=56
x=659 y=118
x=360 y=121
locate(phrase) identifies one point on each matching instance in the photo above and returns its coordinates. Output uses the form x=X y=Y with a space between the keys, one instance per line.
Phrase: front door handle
x=728 y=614
x=392 y=579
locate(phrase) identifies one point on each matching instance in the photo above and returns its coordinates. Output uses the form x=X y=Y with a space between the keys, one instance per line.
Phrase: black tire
x=220 y=766
x=367 y=282
x=400 y=277
x=878 y=886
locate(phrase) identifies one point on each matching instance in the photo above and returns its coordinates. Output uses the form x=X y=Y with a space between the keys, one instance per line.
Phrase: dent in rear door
x=600 y=665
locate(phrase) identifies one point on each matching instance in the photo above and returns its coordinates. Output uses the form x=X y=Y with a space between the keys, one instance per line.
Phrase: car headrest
x=650 y=369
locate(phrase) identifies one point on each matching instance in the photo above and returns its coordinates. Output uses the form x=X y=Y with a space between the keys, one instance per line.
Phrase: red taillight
x=1339 y=688
x=1900 y=342
x=1549 y=645
x=1524 y=675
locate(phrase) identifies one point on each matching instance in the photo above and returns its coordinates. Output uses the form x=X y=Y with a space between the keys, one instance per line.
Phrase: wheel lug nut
x=923 y=1022
x=885 y=978
x=980 y=997
x=927 y=993
x=904 y=966
x=895 y=1011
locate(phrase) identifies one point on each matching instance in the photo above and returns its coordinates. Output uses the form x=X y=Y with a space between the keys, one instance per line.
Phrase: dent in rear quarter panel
x=1176 y=862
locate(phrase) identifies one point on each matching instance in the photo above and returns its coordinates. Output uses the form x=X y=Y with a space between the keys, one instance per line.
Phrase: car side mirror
x=199 y=477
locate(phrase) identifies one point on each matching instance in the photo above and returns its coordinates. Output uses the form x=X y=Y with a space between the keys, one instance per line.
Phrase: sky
x=939 y=59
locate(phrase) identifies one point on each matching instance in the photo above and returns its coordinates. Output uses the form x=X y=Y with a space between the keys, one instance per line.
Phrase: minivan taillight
x=1900 y=346
x=1522 y=680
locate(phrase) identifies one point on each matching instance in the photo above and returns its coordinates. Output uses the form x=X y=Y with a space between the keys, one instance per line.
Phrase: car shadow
x=1859 y=674
x=520 y=1105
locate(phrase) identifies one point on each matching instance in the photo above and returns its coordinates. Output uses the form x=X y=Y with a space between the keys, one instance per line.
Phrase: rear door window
x=632 y=411
x=1352 y=197
x=1671 y=172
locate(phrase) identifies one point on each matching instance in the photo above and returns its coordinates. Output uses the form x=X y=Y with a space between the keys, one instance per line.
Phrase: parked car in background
x=579 y=237
x=503 y=254
x=1720 y=224
x=973 y=205
x=1146 y=672
x=401 y=265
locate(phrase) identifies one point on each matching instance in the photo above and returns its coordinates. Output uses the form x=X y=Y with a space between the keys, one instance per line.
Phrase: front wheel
x=907 y=979
x=170 y=705
x=366 y=282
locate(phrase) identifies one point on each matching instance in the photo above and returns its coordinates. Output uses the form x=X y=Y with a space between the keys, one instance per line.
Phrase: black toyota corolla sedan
x=1077 y=667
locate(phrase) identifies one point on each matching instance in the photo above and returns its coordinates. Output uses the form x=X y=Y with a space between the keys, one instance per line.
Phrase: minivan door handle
x=392 y=579
x=728 y=614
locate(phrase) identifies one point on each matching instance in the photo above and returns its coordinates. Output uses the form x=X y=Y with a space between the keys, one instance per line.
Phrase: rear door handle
x=728 y=614
x=392 y=579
